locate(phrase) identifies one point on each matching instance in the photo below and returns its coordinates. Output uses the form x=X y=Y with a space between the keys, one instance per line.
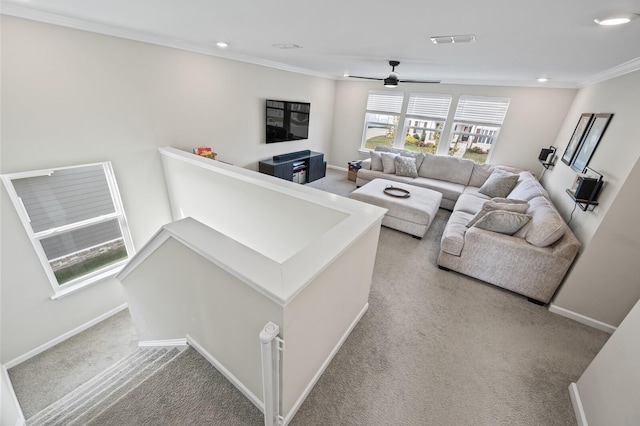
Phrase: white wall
x=608 y=389
x=603 y=283
x=72 y=97
x=533 y=120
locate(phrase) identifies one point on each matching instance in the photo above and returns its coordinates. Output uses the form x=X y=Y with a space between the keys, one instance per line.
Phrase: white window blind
x=385 y=102
x=429 y=105
x=476 y=109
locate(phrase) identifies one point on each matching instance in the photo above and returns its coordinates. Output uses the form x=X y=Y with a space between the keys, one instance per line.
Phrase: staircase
x=92 y=398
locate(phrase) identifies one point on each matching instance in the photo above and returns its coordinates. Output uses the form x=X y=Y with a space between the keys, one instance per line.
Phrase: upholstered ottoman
x=412 y=215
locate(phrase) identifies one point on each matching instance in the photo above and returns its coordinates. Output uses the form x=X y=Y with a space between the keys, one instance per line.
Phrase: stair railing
x=271 y=346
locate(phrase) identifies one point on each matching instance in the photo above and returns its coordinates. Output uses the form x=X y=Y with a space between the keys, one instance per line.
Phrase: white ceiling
x=517 y=41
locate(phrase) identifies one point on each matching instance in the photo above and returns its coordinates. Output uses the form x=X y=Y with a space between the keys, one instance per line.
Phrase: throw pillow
x=406 y=166
x=499 y=183
x=388 y=162
x=376 y=161
x=504 y=204
x=503 y=222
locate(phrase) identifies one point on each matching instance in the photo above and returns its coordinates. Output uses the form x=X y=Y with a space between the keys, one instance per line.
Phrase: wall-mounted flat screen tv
x=287 y=121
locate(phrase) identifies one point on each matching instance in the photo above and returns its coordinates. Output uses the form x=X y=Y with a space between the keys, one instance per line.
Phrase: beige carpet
x=434 y=348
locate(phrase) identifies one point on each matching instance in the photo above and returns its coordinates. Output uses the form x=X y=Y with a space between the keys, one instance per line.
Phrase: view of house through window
x=75 y=220
x=476 y=126
x=424 y=122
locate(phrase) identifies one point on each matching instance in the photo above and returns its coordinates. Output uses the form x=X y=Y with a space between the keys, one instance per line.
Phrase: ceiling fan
x=394 y=79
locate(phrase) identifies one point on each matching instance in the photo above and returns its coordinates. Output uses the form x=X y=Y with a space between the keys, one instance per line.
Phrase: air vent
x=466 y=38
x=287 y=46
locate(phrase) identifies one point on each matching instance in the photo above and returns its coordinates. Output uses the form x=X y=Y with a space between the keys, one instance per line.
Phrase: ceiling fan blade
x=420 y=81
x=366 y=78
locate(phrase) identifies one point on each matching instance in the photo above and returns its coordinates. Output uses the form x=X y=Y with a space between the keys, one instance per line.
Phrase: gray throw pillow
x=499 y=184
x=376 y=161
x=388 y=162
x=503 y=222
x=406 y=166
x=504 y=204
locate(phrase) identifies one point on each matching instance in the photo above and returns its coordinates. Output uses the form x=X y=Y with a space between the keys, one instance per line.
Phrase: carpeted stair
x=92 y=398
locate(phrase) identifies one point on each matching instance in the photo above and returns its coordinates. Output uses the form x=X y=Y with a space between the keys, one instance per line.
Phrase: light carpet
x=434 y=348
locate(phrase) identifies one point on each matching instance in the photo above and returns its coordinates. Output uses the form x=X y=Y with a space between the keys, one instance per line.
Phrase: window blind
x=481 y=110
x=429 y=105
x=65 y=197
x=385 y=102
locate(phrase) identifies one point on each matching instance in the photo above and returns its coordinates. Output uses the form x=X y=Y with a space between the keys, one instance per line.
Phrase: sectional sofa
x=503 y=228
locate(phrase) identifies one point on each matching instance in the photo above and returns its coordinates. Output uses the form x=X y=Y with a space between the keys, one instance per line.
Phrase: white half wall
x=73 y=97
x=608 y=389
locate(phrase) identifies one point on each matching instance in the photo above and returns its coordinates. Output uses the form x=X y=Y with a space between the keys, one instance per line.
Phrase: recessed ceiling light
x=464 y=38
x=543 y=79
x=623 y=18
x=346 y=74
x=222 y=45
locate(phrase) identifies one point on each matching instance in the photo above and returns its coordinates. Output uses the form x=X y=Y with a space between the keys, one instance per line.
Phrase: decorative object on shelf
x=589 y=143
x=205 y=151
x=394 y=191
x=586 y=189
x=576 y=138
x=547 y=157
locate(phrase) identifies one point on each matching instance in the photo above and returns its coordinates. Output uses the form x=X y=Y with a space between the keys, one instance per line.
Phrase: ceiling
x=516 y=41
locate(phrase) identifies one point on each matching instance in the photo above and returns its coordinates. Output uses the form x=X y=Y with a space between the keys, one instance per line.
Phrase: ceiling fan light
x=390 y=82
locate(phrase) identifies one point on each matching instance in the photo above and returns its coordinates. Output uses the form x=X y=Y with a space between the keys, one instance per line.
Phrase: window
x=75 y=220
x=425 y=119
x=382 y=118
x=476 y=126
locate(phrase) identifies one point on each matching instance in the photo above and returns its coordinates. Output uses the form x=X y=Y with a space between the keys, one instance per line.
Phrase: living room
x=75 y=97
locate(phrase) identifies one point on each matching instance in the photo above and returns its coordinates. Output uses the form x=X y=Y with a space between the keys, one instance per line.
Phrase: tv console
x=282 y=165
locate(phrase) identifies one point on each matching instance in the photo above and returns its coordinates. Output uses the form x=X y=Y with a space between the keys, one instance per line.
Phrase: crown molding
x=617 y=71
x=24 y=12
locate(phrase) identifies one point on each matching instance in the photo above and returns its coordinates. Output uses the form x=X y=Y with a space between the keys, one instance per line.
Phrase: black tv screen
x=287 y=121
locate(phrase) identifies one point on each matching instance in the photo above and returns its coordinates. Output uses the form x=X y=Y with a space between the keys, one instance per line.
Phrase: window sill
x=63 y=292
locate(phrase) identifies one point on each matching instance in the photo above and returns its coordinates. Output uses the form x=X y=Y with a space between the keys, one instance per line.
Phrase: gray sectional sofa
x=503 y=228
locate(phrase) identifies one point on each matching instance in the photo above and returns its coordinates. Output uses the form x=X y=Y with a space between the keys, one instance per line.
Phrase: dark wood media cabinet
x=281 y=166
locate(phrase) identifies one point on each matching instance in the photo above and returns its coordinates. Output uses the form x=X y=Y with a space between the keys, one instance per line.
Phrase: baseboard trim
x=582 y=319
x=20 y=421
x=226 y=373
x=577 y=405
x=170 y=343
x=65 y=336
x=342 y=169
x=324 y=366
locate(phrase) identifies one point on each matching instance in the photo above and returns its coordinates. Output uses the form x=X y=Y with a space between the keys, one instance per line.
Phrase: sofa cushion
x=499 y=184
x=480 y=174
x=376 y=161
x=473 y=190
x=469 y=203
x=502 y=204
x=448 y=190
x=527 y=188
x=443 y=167
x=403 y=152
x=452 y=240
x=388 y=163
x=504 y=222
x=406 y=166
x=546 y=225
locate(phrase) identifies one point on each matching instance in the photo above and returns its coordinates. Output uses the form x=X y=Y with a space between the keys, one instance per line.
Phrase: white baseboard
x=226 y=373
x=65 y=336
x=324 y=366
x=170 y=343
x=577 y=405
x=17 y=410
x=582 y=319
x=342 y=169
